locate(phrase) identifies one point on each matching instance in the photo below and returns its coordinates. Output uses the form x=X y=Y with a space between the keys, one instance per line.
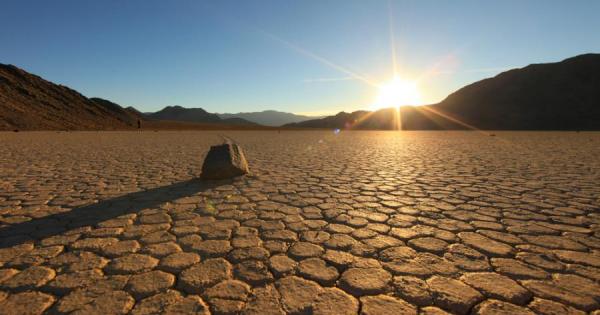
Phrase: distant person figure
x=139 y=123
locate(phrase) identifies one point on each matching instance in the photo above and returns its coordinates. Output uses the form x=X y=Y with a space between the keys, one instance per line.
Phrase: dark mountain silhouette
x=562 y=95
x=199 y=115
x=270 y=117
x=178 y=113
x=553 y=96
x=29 y=102
x=238 y=121
x=384 y=119
x=340 y=120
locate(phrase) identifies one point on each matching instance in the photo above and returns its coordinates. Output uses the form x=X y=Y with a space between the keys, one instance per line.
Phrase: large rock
x=224 y=161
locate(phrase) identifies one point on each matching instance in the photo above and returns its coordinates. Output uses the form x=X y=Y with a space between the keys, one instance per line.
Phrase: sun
x=396 y=93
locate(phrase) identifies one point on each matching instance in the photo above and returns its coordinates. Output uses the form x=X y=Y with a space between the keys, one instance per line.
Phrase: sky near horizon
x=315 y=57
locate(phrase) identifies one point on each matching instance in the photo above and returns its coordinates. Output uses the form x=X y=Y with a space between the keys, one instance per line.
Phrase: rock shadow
x=92 y=214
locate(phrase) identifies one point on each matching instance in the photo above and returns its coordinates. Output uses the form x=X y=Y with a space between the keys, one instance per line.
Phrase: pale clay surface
x=370 y=222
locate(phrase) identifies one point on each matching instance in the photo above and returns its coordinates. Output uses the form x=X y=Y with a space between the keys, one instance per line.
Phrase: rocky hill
x=554 y=96
x=31 y=103
x=129 y=114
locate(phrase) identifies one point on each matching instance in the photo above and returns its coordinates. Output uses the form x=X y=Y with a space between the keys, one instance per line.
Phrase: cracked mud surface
x=360 y=222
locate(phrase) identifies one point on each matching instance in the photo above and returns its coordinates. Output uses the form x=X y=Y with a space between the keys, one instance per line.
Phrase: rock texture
x=224 y=161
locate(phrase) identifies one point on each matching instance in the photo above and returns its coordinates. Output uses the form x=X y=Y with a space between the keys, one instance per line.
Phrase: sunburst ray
x=321 y=59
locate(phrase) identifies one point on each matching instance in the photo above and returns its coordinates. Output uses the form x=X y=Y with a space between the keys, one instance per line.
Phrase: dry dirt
x=369 y=222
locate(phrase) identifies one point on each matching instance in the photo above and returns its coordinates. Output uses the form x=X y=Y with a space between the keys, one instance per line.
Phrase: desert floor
x=371 y=222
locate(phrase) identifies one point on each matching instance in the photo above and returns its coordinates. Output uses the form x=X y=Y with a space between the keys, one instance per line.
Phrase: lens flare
x=396 y=93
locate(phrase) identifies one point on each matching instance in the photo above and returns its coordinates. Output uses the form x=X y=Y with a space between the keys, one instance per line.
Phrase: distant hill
x=340 y=120
x=178 y=113
x=553 y=96
x=383 y=119
x=29 y=102
x=270 y=117
x=198 y=115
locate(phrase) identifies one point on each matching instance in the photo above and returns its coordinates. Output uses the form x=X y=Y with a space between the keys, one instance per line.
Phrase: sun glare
x=396 y=93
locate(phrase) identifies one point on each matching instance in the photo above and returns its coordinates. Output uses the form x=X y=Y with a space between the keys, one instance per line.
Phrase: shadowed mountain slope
x=561 y=95
x=129 y=114
x=29 y=102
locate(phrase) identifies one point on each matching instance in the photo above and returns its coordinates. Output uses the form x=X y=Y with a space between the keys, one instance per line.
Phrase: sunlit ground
x=345 y=220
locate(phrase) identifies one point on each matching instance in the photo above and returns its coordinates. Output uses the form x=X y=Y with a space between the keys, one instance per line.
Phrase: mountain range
x=197 y=115
x=265 y=118
x=553 y=96
x=29 y=102
x=270 y=117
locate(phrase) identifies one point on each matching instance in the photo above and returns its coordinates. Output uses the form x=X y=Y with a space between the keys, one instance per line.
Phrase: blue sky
x=230 y=56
